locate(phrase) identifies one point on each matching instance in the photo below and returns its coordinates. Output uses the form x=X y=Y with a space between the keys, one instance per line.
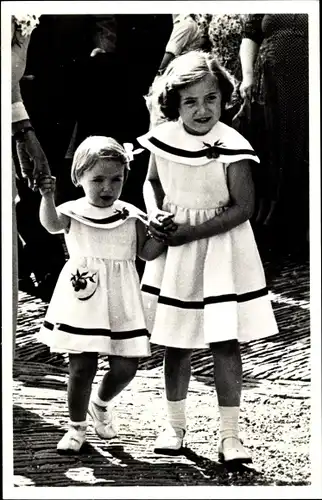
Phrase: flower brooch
x=212 y=150
x=123 y=214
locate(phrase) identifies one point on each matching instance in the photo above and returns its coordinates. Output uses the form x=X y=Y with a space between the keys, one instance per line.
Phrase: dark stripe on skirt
x=180 y=303
x=98 y=331
x=200 y=304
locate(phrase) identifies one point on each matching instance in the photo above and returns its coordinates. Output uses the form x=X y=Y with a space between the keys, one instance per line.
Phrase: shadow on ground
x=37 y=463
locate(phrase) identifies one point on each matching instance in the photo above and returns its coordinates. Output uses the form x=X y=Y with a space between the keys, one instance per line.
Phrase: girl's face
x=103 y=183
x=200 y=105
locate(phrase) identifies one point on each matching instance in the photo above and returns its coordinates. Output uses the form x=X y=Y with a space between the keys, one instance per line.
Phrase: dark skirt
x=282 y=94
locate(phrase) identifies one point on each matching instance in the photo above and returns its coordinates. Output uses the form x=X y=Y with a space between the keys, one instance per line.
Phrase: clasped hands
x=46 y=184
x=32 y=159
x=163 y=229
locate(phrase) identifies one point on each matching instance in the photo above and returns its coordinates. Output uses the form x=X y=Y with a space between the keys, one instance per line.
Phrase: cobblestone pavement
x=274 y=421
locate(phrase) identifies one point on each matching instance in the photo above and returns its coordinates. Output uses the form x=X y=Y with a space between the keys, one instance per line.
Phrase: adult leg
x=82 y=370
x=122 y=371
x=228 y=382
x=177 y=372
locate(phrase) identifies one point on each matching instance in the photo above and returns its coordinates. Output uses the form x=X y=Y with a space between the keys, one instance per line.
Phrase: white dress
x=213 y=289
x=97 y=303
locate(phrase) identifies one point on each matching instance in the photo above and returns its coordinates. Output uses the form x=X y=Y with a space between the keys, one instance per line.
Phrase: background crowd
x=75 y=63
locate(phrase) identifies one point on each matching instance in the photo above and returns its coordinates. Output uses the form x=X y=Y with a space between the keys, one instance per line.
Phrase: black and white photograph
x=160 y=243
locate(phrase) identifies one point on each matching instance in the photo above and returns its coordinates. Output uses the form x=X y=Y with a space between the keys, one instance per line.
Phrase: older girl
x=208 y=289
x=97 y=306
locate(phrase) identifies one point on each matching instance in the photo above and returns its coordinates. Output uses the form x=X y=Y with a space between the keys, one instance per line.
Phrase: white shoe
x=232 y=451
x=102 y=421
x=73 y=440
x=170 y=441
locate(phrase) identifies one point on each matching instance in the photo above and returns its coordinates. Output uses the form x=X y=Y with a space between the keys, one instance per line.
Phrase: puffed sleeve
x=252 y=27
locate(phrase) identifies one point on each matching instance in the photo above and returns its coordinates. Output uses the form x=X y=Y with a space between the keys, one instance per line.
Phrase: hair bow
x=130 y=152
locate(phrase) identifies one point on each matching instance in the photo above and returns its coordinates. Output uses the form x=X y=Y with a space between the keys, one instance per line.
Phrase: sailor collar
x=104 y=218
x=222 y=143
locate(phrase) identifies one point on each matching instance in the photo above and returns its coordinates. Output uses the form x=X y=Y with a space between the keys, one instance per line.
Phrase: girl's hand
x=157 y=232
x=180 y=236
x=46 y=184
x=158 y=216
x=162 y=221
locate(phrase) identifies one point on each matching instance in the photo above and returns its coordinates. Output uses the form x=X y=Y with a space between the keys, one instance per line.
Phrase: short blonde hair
x=186 y=70
x=94 y=149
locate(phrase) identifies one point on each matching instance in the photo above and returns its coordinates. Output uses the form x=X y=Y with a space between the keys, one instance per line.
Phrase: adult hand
x=32 y=159
x=246 y=86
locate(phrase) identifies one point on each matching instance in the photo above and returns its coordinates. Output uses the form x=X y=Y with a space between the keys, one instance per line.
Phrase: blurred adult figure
x=28 y=157
x=82 y=69
x=225 y=35
x=78 y=63
x=274 y=59
x=189 y=32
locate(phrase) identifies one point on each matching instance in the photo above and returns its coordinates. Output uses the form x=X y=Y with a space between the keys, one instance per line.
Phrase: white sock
x=98 y=401
x=177 y=413
x=78 y=424
x=228 y=421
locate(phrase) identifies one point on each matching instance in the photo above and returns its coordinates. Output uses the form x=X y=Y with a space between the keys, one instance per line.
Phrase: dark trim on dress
x=103 y=332
x=200 y=304
x=200 y=153
x=107 y=220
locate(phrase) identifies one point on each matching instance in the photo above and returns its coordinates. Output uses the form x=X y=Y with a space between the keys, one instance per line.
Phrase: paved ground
x=275 y=416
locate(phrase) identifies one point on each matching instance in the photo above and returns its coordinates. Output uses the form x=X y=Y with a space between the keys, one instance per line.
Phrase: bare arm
x=53 y=221
x=147 y=248
x=252 y=38
x=248 y=54
x=152 y=190
x=167 y=58
x=50 y=218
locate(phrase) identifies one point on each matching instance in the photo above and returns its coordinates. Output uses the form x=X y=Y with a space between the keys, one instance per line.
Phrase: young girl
x=97 y=305
x=208 y=289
